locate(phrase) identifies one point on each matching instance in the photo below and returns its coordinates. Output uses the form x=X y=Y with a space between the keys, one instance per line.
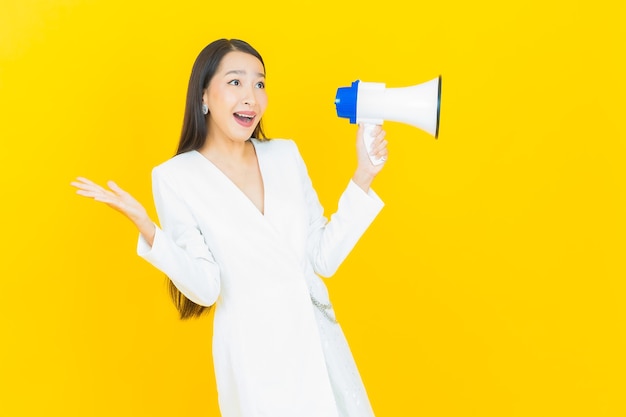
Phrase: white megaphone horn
x=371 y=104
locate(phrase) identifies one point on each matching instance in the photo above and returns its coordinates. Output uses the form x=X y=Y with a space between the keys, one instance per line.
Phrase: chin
x=241 y=138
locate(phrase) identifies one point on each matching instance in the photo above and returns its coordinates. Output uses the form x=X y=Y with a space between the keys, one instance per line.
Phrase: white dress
x=275 y=353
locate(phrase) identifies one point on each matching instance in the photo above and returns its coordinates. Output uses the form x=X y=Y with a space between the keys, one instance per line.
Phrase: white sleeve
x=330 y=242
x=179 y=249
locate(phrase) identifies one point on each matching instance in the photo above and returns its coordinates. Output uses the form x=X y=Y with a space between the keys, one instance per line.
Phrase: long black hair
x=195 y=131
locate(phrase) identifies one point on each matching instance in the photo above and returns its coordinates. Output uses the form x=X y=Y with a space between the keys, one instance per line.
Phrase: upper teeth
x=245 y=115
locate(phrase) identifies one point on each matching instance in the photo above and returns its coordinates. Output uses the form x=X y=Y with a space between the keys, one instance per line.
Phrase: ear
x=205 y=96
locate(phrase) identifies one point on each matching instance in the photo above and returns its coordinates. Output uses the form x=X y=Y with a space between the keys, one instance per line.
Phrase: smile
x=244 y=116
x=244 y=119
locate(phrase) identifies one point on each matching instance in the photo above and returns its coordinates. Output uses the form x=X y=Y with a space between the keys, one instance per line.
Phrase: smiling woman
x=242 y=229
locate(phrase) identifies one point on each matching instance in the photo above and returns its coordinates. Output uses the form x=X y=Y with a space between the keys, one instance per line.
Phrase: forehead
x=240 y=61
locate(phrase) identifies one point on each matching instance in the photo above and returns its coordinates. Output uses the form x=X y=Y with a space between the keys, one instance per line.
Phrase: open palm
x=115 y=197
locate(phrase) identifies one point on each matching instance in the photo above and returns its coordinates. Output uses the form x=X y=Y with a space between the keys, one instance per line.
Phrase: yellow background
x=492 y=284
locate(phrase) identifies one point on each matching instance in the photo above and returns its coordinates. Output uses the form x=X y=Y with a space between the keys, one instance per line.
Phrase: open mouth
x=244 y=119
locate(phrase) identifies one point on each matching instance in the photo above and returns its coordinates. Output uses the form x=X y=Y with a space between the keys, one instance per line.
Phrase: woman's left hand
x=366 y=171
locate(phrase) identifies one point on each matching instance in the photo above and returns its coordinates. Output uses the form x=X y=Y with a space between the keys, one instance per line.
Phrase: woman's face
x=236 y=97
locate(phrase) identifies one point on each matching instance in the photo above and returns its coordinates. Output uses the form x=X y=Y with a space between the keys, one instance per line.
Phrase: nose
x=248 y=97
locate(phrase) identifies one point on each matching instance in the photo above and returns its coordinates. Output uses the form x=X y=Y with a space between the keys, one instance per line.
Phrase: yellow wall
x=492 y=284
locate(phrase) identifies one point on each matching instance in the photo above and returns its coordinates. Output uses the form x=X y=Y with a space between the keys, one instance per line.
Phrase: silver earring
x=205 y=109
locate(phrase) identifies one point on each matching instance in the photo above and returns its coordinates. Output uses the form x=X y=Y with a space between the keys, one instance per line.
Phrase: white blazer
x=259 y=270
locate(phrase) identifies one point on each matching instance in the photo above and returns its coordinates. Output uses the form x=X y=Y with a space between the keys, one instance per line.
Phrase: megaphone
x=371 y=104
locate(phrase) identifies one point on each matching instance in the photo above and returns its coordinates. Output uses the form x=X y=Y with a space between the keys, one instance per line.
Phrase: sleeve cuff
x=369 y=198
x=143 y=247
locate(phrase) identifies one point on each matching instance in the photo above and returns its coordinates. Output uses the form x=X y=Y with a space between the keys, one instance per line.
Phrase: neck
x=231 y=151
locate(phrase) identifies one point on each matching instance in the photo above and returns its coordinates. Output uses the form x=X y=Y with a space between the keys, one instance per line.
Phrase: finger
x=85 y=180
x=76 y=184
x=89 y=187
x=380 y=147
x=79 y=183
x=93 y=194
x=113 y=186
x=374 y=130
x=84 y=193
x=82 y=186
x=378 y=138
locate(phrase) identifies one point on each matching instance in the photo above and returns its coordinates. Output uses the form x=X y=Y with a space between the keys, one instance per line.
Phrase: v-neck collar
x=234 y=186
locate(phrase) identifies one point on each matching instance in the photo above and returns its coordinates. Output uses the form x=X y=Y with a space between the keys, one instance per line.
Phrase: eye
x=260 y=84
x=234 y=82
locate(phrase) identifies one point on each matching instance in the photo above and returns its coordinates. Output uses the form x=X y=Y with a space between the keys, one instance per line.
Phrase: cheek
x=219 y=98
x=262 y=99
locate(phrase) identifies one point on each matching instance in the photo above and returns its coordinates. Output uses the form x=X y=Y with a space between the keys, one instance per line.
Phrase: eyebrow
x=242 y=72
